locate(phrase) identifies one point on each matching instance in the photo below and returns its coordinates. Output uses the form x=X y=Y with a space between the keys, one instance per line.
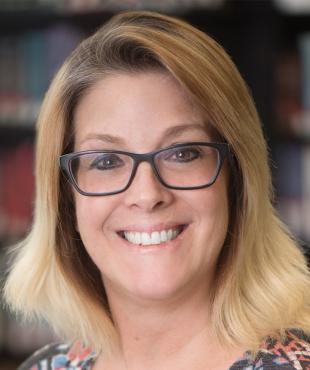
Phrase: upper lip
x=150 y=228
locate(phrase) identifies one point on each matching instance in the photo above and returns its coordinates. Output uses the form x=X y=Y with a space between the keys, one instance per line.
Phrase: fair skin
x=158 y=294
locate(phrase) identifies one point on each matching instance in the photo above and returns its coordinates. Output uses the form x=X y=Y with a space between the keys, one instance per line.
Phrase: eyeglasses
x=186 y=166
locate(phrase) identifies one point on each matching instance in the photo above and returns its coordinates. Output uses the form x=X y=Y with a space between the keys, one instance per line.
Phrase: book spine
x=304 y=49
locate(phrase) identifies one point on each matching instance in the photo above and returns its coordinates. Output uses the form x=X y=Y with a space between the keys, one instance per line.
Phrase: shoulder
x=293 y=353
x=59 y=356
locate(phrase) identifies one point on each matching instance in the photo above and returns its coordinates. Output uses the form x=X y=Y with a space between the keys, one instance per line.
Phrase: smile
x=156 y=237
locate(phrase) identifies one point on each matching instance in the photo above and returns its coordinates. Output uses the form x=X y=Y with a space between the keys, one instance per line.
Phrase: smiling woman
x=194 y=222
x=155 y=243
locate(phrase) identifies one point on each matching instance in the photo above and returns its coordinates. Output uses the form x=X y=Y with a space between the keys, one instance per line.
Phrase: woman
x=157 y=245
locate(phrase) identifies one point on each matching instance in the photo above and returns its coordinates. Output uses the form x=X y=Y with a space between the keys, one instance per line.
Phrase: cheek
x=220 y=203
x=214 y=222
x=82 y=208
x=212 y=213
x=211 y=205
x=92 y=214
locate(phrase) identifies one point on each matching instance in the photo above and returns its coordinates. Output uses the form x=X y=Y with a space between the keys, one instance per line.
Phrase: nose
x=146 y=192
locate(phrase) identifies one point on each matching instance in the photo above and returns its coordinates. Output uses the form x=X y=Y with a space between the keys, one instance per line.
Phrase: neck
x=174 y=335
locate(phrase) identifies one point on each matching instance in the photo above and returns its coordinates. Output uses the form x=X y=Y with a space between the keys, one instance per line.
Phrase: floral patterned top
x=293 y=354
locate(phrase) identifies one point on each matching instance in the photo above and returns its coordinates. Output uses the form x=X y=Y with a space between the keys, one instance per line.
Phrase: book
x=28 y=62
x=304 y=50
x=17 y=191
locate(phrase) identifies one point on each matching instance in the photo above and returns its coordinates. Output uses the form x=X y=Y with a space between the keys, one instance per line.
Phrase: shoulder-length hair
x=262 y=281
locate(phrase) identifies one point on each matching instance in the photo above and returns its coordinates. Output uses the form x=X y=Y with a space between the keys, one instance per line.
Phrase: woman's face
x=140 y=113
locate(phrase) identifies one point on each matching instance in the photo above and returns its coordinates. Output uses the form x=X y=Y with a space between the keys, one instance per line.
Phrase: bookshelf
x=291 y=106
x=263 y=42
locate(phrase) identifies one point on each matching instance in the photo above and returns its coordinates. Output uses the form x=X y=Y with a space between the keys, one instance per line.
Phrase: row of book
x=292 y=90
x=291 y=162
x=28 y=62
x=16 y=191
x=292 y=182
x=16 y=210
x=288 y=6
x=111 y=5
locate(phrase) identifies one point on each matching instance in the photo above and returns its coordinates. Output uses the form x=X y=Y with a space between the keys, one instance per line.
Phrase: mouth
x=152 y=238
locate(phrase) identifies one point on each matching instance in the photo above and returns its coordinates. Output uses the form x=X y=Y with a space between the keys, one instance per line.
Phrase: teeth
x=137 y=238
x=156 y=237
x=163 y=236
x=146 y=239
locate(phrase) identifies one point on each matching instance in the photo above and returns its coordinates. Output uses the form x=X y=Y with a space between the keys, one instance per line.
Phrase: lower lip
x=156 y=247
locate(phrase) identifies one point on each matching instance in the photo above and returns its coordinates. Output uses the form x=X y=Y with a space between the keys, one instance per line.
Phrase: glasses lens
x=101 y=172
x=188 y=166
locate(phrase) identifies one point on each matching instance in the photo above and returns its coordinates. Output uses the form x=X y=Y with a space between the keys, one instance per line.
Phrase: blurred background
x=269 y=40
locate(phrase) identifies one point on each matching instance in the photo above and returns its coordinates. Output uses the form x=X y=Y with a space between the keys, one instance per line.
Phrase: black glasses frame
x=66 y=159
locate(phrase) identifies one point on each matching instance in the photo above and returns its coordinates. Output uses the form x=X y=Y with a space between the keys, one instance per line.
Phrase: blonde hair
x=262 y=281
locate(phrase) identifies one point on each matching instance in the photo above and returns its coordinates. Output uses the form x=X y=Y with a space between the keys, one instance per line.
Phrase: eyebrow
x=178 y=130
x=104 y=137
x=171 y=132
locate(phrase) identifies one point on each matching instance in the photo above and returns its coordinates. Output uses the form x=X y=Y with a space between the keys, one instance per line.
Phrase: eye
x=186 y=154
x=106 y=161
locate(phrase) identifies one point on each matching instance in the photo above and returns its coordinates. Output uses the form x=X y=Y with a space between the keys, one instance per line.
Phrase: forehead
x=139 y=107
